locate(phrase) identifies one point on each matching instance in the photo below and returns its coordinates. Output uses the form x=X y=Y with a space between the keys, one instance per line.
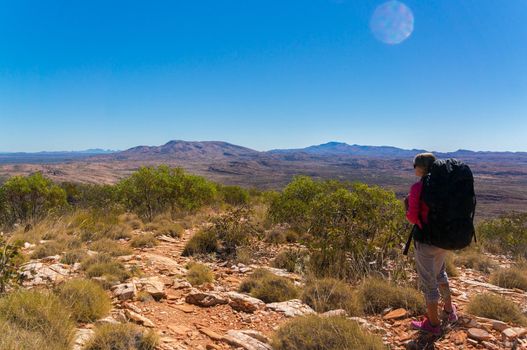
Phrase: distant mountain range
x=218 y=149
x=501 y=177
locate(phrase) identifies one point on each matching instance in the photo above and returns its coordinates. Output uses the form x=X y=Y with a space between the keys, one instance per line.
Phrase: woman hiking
x=429 y=259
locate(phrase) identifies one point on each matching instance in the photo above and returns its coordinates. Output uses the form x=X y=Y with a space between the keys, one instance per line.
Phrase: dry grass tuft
x=122 y=337
x=330 y=294
x=330 y=333
x=145 y=240
x=86 y=299
x=199 y=274
x=40 y=313
x=496 y=307
x=375 y=295
x=510 y=278
x=264 y=285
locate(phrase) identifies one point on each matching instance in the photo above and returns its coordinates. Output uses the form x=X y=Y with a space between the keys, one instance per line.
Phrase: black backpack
x=448 y=191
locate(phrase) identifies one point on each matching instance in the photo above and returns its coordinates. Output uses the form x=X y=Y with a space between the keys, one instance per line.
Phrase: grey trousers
x=430 y=265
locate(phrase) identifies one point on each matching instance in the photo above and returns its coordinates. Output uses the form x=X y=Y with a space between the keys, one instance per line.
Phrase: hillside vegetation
x=335 y=247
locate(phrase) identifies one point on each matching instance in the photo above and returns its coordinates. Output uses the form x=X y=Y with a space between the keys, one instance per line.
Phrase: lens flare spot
x=392 y=22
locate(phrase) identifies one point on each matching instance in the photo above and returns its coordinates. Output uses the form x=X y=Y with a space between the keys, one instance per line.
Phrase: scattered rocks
x=395 y=314
x=243 y=302
x=211 y=334
x=367 y=325
x=38 y=273
x=82 y=337
x=205 y=299
x=332 y=313
x=478 y=334
x=124 y=291
x=153 y=286
x=139 y=319
x=499 y=325
x=291 y=308
x=247 y=339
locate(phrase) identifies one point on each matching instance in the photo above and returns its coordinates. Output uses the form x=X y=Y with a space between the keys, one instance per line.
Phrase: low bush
x=86 y=299
x=496 y=307
x=199 y=274
x=48 y=249
x=292 y=260
x=375 y=295
x=105 y=266
x=11 y=258
x=473 y=259
x=110 y=247
x=245 y=255
x=39 y=312
x=131 y=220
x=327 y=333
x=510 y=278
x=330 y=294
x=202 y=242
x=145 y=240
x=234 y=195
x=71 y=257
x=172 y=229
x=122 y=337
x=505 y=235
x=275 y=236
x=265 y=285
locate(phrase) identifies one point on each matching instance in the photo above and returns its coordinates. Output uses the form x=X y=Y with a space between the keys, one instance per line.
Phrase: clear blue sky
x=260 y=73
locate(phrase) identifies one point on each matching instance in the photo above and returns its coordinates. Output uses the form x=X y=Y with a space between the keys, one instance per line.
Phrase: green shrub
x=10 y=260
x=265 y=285
x=496 y=307
x=349 y=225
x=110 y=247
x=475 y=260
x=328 y=333
x=330 y=294
x=292 y=260
x=506 y=234
x=122 y=337
x=145 y=240
x=233 y=229
x=150 y=191
x=39 y=312
x=31 y=198
x=199 y=274
x=376 y=295
x=510 y=278
x=86 y=299
x=202 y=242
x=234 y=195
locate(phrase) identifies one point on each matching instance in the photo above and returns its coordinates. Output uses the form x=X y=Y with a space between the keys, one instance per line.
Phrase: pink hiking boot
x=426 y=326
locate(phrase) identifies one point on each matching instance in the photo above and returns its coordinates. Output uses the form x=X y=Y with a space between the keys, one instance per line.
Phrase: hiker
x=429 y=259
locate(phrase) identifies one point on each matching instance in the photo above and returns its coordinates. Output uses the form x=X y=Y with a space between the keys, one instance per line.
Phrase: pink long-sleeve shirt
x=417 y=209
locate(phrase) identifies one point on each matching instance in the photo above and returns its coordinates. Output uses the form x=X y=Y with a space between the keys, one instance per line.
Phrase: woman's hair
x=424 y=160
